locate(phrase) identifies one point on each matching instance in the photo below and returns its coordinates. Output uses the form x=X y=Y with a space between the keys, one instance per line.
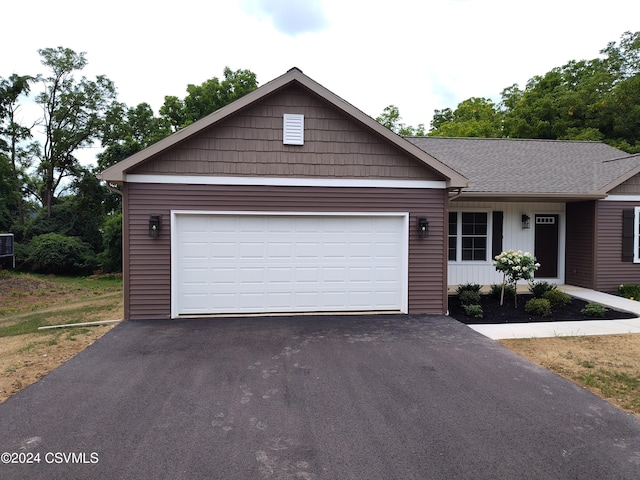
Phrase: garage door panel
x=280 y=263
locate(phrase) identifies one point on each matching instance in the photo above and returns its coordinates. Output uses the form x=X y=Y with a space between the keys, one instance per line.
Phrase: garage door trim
x=404 y=257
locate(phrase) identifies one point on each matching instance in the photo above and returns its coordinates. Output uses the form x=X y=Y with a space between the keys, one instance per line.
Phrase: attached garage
x=230 y=262
x=237 y=214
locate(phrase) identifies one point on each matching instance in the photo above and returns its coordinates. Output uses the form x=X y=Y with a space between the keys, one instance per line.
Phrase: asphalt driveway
x=362 y=397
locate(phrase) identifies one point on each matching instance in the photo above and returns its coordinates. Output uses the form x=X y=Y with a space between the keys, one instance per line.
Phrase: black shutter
x=496 y=240
x=627 y=235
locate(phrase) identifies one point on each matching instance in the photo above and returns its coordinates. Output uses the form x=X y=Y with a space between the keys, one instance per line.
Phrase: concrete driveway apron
x=326 y=397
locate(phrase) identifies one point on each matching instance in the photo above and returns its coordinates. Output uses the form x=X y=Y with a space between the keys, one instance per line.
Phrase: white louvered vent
x=293 y=133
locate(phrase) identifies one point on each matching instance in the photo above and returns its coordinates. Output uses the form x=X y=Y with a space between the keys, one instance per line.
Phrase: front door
x=546 y=245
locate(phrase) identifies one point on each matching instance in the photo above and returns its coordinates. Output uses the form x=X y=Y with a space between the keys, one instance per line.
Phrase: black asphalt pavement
x=312 y=397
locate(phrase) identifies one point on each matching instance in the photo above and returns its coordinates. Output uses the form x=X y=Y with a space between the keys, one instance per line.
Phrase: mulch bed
x=507 y=313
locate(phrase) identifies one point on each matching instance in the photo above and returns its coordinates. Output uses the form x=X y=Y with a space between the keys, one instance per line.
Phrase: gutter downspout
x=456 y=195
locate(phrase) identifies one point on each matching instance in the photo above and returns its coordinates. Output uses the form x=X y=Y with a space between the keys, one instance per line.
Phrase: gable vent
x=293 y=133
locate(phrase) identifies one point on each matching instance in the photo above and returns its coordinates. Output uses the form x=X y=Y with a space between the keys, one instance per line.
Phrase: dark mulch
x=507 y=313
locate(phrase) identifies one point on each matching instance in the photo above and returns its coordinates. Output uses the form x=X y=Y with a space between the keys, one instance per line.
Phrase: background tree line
x=64 y=220
x=596 y=99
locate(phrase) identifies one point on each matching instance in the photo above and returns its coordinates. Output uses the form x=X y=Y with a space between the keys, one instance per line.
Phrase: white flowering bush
x=515 y=265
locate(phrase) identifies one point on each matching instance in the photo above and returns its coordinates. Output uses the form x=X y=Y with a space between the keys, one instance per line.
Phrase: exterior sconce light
x=526 y=221
x=154 y=226
x=423 y=227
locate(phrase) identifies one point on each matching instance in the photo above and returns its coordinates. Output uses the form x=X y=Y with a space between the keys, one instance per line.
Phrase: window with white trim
x=468 y=236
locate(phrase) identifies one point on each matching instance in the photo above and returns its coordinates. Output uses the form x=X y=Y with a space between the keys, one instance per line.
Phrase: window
x=636 y=235
x=631 y=235
x=468 y=236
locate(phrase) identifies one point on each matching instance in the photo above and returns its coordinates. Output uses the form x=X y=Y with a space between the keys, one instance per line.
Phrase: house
x=574 y=205
x=289 y=199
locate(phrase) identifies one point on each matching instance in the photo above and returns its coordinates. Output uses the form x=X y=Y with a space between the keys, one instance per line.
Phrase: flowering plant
x=515 y=266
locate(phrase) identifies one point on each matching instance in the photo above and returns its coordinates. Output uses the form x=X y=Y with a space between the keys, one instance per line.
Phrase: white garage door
x=257 y=263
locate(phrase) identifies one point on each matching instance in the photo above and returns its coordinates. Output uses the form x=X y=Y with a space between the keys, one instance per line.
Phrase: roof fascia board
x=528 y=197
x=117 y=172
x=618 y=181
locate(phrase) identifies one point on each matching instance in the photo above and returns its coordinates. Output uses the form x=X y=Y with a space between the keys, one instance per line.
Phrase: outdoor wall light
x=423 y=227
x=154 y=225
x=526 y=221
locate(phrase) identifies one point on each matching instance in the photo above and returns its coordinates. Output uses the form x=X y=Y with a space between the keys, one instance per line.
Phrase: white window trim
x=458 y=260
x=636 y=234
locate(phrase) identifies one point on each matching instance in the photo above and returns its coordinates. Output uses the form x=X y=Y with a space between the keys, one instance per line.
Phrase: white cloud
x=290 y=17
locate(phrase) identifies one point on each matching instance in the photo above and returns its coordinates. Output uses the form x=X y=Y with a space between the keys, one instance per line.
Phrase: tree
x=201 y=100
x=15 y=157
x=390 y=118
x=475 y=117
x=74 y=115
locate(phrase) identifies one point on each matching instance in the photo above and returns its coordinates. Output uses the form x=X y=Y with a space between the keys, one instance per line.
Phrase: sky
x=417 y=55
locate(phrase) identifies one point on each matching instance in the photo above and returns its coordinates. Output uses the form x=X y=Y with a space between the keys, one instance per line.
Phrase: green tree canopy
x=475 y=117
x=390 y=118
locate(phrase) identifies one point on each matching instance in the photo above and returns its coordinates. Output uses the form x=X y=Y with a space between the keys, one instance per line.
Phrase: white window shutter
x=293 y=132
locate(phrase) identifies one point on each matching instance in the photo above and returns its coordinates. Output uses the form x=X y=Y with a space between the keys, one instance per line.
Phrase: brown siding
x=249 y=143
x=630 y=187
x=148 y=277
x=580 y=250
x=611 y=271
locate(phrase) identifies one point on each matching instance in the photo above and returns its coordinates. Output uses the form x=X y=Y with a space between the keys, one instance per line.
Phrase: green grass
x=29 y=323
x=621 y=386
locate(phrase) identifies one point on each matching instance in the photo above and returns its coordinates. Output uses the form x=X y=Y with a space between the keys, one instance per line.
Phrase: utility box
x=7 y=254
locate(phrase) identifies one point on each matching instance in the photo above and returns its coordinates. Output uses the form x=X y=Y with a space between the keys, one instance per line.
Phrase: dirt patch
x=607 y=365
x=25 y=359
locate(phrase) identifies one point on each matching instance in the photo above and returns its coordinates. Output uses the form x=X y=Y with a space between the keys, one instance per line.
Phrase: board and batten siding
x=249 y=143
x=148 y=269
x=513 y=237
x=629 y=187
x=581 y=244
x=611 y=271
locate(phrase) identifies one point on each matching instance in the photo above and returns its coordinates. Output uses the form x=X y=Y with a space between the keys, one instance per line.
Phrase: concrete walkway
x=571 y=329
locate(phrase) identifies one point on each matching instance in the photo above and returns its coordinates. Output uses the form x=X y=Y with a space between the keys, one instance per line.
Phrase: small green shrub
x=53 y=253
x=538 y=289
x=629 y=290
x=468 y=287
x=496 y=290
x=538 y=306
x=594 y=310
x=473 y=310
x=557 y=298
x=468 y=297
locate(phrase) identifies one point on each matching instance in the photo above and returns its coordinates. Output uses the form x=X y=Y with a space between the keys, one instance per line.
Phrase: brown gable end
x=249 y=143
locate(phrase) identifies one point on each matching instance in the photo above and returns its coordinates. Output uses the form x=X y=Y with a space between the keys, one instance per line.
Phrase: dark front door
x=546 y=245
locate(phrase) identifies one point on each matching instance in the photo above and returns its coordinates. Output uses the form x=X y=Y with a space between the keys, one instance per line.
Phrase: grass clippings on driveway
x=607 y=365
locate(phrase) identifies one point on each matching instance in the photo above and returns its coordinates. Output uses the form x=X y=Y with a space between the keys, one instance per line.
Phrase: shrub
x=468 y=287
x=58 y=254
x=469 y=297
x=629 y=290
x=538 y=289
x=557 y=298
x=594 y=310
x=538 y=306
x=473 y=310
x=496 y=290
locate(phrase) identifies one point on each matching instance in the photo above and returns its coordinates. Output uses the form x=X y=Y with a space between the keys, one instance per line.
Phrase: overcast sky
x=418 y=55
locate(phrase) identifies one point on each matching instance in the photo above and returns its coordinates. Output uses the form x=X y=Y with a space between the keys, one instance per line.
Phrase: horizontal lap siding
x=149 y=263
x=611 y=270
x=580 y=251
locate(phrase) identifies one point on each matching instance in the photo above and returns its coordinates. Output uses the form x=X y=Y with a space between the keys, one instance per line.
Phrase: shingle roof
x=521 y=166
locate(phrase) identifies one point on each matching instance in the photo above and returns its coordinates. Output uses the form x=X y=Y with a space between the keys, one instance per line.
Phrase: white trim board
x=284 y=181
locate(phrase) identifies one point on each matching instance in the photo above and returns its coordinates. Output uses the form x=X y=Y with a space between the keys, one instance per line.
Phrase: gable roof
x=533 y=169
x=117 y=173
